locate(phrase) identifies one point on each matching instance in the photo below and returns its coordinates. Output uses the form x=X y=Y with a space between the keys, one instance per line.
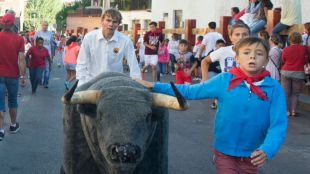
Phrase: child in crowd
x=163 y=59
x=251 y=122
x=233 y=11
x=195 y=51
x=275 y=54
x=35 y=57
x=60 y=50
x=140 y=46
x=173 y=49
x=182 y=64
x=71 y=52
x=305 y=36
x=264 y=35
x=225 y=55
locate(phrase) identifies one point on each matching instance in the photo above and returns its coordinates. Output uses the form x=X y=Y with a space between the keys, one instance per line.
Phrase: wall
x=203 y=11
x=141 y=15
x=86 y=22
x=17 y=6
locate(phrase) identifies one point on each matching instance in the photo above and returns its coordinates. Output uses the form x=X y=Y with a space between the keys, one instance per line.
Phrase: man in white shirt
x=209 y=41
x=103 y=50
x=290 y=15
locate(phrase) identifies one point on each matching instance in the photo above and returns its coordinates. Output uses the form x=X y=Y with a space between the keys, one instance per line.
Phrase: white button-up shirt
x=98 y=55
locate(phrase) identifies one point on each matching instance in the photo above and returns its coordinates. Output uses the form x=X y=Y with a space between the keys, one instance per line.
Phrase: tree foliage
x=61 y=16
x=38 y=10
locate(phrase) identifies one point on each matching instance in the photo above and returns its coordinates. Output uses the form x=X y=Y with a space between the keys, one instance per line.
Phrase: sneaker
x=173 y=73
x=45 y=86
x=1 y=136
x=14 y=129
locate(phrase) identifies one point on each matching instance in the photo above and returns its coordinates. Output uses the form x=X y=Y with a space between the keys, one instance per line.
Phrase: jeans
x=35 y=77
x=257 y=27
x=161 y=69
x=292 y=88
x=172 y=61
x=11 y=86
x=46 y=73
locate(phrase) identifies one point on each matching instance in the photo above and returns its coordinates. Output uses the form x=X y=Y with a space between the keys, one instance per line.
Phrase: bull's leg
x=77 y=156
x=156 y=157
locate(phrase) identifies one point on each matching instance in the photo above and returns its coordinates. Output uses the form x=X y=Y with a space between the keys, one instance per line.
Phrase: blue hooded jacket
x=243 y=122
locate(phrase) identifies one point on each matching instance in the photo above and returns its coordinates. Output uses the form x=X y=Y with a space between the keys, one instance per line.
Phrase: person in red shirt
x=152 y=39
x=12 y=67
x=35 y=57
x=292 y=71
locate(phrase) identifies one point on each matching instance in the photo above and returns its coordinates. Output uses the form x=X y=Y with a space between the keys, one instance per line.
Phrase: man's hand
x=258 y=158
x=146 y=84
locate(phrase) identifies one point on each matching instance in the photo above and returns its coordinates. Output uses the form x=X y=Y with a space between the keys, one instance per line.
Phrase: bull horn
x=85 y=97
x=176 y=103
x=68 y=95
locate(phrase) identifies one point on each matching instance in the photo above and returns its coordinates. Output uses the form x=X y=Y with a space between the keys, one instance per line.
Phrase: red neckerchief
x=240 y=76
x=198 y=42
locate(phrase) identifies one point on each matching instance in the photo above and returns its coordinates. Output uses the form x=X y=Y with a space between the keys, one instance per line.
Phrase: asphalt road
x=37 y=148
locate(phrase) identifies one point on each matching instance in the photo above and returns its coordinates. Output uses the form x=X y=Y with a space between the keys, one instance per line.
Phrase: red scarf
x=240 y=76
x=198 y=42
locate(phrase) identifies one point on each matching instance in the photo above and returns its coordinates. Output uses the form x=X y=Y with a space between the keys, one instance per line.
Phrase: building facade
x=17 y=6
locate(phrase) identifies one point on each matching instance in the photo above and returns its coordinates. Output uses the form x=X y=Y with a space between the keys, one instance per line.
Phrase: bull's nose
x=125 y=153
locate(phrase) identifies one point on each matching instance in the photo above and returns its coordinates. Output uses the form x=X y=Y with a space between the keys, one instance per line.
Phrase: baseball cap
x=7 y=20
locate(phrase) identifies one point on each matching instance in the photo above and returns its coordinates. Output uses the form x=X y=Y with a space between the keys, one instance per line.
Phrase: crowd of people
x=257 y=74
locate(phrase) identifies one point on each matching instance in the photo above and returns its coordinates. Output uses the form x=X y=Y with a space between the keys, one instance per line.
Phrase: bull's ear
x=87 y=109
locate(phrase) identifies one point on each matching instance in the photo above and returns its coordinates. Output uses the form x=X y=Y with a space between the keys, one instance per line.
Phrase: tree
x=61 y=16
x=37 y=11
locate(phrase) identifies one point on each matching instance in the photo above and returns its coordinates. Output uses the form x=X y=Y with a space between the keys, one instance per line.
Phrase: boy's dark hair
x=250 y=41
x=238 y=25
x=235 y=10
x=183 y=41
x=71 y=39
x=264 y=34
x=220 y=41
x=295 y=38
x=200 y=38
x=212 y=25
x=39 y=38
x=275 y=39
x=153 y=23
x=113 y=13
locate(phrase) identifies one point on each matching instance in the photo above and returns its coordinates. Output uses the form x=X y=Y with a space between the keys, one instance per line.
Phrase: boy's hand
x=176 y=67
x=146 y=84
x=258 y=158
x=23 y=82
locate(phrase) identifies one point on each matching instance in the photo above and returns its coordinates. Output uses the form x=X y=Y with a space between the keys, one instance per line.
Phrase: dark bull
x=113 y=125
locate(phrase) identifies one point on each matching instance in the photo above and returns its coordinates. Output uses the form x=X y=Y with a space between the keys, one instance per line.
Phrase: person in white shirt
x=209 y=41
x=103 y=50
x=225 y=55
x=290 y=15
x=140 y=46
x=48 y=44
x=173 y=48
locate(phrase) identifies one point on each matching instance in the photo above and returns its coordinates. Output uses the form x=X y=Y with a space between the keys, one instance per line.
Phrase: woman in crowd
x=292 y=72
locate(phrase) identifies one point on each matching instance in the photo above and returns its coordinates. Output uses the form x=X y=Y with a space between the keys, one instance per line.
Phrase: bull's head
x=121 y=128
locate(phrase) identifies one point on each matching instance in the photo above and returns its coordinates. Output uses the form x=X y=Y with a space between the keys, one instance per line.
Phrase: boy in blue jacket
x=250 y=122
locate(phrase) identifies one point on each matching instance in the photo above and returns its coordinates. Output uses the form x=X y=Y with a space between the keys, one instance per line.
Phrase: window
x=178 y=19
